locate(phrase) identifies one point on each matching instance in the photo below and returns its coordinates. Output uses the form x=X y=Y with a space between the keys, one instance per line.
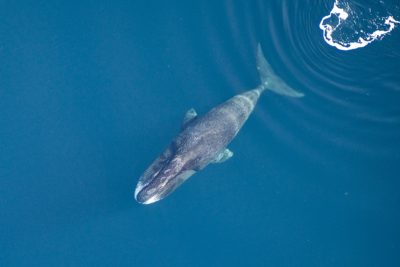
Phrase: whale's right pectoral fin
x=190 y=115
x=223 y=156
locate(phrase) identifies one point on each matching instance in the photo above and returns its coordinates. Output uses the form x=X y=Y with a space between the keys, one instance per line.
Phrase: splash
x=349 y=26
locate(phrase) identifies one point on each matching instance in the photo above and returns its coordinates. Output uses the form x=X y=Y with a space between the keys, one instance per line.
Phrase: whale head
x=163 y=181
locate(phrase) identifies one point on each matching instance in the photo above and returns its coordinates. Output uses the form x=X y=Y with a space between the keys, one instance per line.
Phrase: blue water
x=92 y=91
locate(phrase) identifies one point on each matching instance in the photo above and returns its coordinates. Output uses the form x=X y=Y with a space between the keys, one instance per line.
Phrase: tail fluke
x=269 y=80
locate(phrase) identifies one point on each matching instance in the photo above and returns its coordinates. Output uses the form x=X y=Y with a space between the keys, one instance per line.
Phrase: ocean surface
x=91 y=92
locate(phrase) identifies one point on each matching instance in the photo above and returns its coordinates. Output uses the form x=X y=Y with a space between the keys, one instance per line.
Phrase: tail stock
x=269 y=80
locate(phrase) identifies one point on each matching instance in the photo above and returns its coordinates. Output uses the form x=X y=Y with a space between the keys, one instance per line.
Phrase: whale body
x=204 y=139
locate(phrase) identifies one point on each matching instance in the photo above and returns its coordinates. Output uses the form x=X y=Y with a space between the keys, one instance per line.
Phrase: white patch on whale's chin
x=152 y=200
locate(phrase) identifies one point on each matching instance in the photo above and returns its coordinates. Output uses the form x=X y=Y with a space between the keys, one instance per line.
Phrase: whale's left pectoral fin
x=223 y=156
x=190 y=115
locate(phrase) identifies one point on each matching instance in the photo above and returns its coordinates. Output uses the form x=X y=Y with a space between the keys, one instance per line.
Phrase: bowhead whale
x=204 y=139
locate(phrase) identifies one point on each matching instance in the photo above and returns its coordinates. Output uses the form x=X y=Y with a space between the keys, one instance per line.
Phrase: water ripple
x=351 y=97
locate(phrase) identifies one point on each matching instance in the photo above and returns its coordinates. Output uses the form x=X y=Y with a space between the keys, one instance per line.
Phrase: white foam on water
x=351 y=42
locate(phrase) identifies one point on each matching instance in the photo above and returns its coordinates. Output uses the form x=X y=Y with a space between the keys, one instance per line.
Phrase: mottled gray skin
x=199 y=143
x=207 y=136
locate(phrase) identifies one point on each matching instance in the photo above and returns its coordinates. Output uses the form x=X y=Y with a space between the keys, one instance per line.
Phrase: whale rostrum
x=204 y=139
